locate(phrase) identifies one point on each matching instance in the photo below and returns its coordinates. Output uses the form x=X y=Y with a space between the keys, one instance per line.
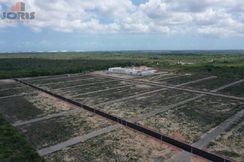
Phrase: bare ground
x=7 y=81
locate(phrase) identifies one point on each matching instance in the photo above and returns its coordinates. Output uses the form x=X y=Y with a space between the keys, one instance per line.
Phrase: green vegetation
x=18 y=108
x=52 y=131
x=89 y=88
x=237 y=90
x=13 y=146
x=190 y=121
x=75 y=82
x=100 y=97
x=228 y=153
x=230 y=144
x=35 y=67
x=132 y=108
x=213 y=83
x=224 y=63
x=119 y=145
x=9 y=92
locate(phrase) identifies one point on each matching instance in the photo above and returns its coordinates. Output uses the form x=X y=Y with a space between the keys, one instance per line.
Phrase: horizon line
x=83 y=51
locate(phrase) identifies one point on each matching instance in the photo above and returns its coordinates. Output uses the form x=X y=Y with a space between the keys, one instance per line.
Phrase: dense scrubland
x=225 y=63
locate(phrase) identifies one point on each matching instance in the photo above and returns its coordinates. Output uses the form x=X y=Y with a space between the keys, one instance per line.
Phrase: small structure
x=184 y=63
x=134 y=71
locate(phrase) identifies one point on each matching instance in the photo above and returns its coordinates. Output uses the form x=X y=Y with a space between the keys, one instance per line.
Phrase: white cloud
x=210 y=17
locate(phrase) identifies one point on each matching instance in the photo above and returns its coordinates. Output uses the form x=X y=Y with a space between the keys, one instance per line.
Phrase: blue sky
x=94 y=25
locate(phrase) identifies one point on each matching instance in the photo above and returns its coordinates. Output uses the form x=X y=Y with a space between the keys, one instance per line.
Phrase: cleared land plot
x=190 y=121
x=6 y=84
x=158 y=77
x=146 y=104
x=231 y=143
x=49 y=104
x=211 y=84
x=58 y=76
x=90 y=88
x=237 y=90
x=119 y=145
x=18 y=108
x=53 y=80
x=93 y=99
x=182 y=79
x=73 y=82
x=55 y=130
x=31 y=106
x=14 y=91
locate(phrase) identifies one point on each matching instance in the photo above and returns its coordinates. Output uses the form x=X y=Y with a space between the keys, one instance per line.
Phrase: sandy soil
x=7 y=81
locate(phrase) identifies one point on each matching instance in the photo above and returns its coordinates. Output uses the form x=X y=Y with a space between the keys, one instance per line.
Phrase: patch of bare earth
x=49 y=104
x=198 y=159
x=7 y=81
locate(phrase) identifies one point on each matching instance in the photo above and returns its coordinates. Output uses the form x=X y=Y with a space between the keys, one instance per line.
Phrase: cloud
x=208 y=17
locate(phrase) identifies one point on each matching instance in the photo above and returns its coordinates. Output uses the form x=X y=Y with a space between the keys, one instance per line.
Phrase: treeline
x=30 y=67
x=216 y=69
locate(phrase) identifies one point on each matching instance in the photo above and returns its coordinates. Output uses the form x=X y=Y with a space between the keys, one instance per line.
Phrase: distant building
x=135 y=71
x=184 y=63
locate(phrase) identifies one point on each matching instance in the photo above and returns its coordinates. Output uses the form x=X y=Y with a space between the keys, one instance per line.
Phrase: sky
x=111 y=25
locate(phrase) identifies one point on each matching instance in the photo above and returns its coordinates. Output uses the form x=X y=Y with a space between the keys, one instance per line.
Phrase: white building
x=135 y=71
